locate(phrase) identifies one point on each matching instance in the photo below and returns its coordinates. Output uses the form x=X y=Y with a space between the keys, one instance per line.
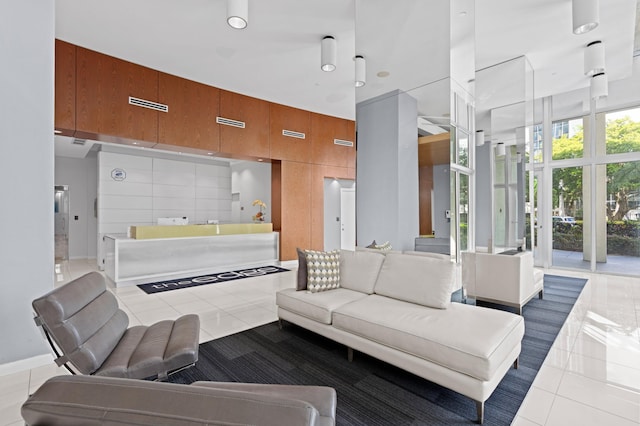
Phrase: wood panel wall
x=92 y=101
x=190 y=121
x=65 y=88
x=295 y=208
x=425 y=176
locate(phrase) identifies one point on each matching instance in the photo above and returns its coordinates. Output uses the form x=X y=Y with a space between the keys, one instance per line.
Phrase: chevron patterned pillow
x=323 y=270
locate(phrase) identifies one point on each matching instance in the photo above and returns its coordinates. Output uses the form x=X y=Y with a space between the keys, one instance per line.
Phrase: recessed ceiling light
x=209 y=153
x=383 y=74
x=260 y=159
x=135 y=143
x=57 y=132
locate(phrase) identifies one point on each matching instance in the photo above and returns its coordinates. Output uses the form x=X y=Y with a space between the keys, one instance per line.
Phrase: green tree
x=568 y=181
x=623 y=136
x=623 y=179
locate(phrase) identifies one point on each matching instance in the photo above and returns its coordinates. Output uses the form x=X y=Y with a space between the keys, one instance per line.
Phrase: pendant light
x=329 y=54
x=361 y=71
x=585 y=15
x=501 y=151
x=238 y=13
x=594 y=58
x=479 y=137
x=599 y=86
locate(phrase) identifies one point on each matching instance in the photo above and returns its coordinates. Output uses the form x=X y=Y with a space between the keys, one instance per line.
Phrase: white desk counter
x=131 y=261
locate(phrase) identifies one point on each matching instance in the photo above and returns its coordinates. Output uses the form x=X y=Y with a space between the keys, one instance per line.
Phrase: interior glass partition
x=505 y=111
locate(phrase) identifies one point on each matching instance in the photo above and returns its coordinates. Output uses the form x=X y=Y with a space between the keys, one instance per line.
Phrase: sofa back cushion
x=417 y=279
x=359 y=270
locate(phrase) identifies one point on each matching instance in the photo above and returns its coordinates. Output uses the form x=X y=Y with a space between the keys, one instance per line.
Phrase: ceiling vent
x=80 y=142
x=293 y=134
x=343 y=142
x=148 y=104
x=230 y=122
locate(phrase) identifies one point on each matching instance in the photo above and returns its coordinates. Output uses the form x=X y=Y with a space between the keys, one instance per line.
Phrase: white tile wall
x=156 y=187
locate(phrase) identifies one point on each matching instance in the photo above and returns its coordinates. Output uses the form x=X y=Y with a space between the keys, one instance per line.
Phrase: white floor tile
x=604 y=371
x=601 y=395
x=149 y=317
x=195 y=307
x=10 y=407
x=521 y=421
x=254 y=315
x=548 y=378
x=14 y=382
x=536 y=405
x=565 y=412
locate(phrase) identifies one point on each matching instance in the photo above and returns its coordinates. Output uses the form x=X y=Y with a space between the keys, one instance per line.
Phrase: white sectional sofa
x=396 y=307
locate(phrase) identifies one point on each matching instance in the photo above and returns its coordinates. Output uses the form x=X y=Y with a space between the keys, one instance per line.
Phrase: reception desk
x=131 y=261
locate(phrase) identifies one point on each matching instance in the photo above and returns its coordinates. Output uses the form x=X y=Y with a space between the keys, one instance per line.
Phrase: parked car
x=569 y=220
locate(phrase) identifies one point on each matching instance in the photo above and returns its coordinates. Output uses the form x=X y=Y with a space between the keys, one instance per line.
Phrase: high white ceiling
x=277 y=57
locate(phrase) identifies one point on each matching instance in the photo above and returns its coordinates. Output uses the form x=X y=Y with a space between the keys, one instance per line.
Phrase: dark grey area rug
x=371 y=392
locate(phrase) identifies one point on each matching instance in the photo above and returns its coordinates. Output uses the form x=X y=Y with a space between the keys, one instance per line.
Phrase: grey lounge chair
x=88 y=332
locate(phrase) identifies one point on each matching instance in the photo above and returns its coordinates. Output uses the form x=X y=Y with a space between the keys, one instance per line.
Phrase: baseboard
x=289 y=264
x=25 y=364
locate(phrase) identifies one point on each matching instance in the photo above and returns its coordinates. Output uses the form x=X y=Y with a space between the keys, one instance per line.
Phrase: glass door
x=61 y=222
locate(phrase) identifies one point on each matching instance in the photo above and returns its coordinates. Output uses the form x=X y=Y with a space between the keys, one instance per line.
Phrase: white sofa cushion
x=469 y=339
x=316 y=306
x=418 y=279
x=359 y=270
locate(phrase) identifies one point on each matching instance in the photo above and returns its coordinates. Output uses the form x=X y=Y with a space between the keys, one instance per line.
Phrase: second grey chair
x=87 y=330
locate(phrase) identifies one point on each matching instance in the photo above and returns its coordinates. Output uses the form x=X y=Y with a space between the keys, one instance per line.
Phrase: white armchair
x=503 y=279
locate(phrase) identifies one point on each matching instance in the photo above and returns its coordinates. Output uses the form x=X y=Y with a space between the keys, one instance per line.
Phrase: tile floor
x=590 y=377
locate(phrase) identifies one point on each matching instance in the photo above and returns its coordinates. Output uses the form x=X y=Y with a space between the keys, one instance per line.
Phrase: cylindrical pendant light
x=329 y=54
x=479 y=137
x=501 y=151
x=599 y=86
x=594 y=58
x=585 y=16
x=238 y=13
x=361 y=71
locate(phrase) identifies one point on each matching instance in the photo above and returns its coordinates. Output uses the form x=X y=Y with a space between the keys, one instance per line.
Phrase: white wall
x=26 y=173
x=80 y=175
x=250 y=180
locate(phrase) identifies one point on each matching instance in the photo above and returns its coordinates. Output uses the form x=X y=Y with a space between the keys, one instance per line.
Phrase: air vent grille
x=148 y=104
x=77 y=141
x=230 y=122
x=343 y=142
x=293 y=134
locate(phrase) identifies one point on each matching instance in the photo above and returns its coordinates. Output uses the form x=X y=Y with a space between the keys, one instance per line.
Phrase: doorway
x=61 y=222
x=339 y=214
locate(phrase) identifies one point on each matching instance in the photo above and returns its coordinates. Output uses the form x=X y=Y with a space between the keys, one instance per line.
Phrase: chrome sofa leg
x=480 y=411
x=280 y=323
x=350 y=354
x=516 y=363
x=541 y=294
